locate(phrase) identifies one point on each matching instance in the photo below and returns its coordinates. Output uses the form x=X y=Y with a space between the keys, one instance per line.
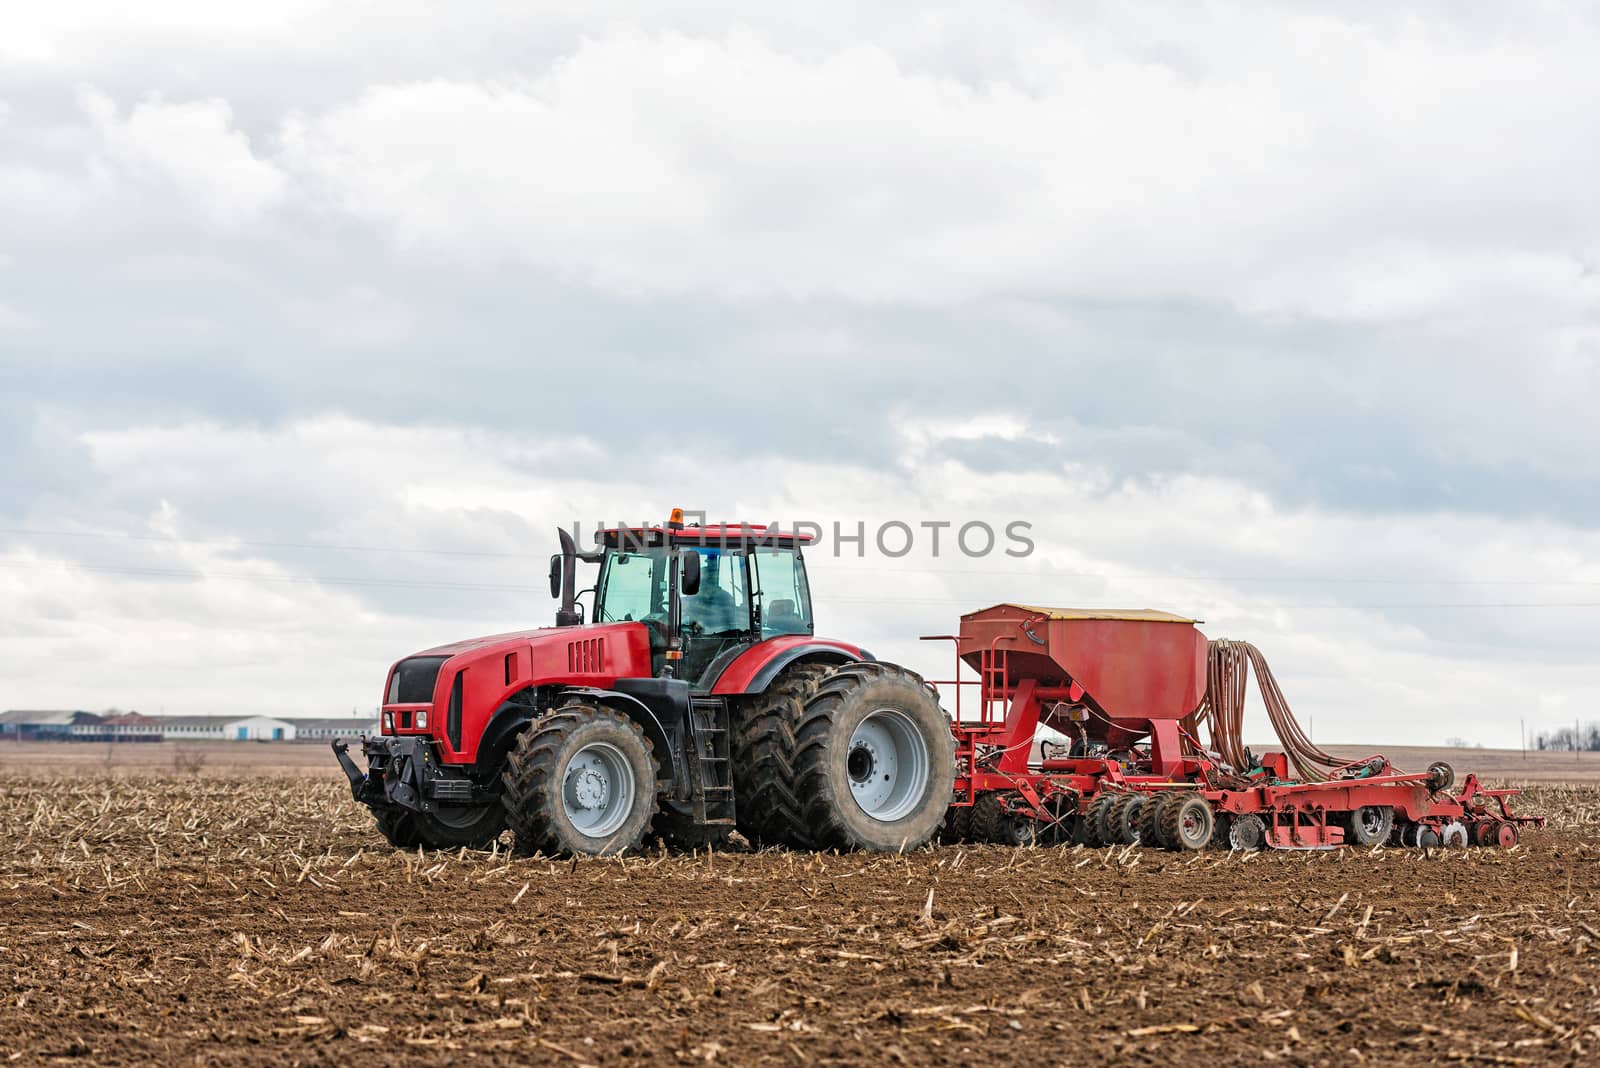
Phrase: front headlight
x=388 y=721
x=422 y=720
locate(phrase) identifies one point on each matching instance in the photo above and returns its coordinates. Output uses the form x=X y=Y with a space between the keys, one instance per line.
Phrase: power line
x=236 y=543
x=475 y=587
x=315 y=580
x=1121 y=573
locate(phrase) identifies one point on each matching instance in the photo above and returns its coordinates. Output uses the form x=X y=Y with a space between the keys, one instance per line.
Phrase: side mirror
x=555 y=575
x=689 y=574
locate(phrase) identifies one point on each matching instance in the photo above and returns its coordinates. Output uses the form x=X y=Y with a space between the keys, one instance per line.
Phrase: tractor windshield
x=633 y=587
x=785 y=597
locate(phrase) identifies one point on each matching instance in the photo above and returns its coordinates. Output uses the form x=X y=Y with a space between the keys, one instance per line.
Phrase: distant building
x=25 y=725
x=131 y=727
x=79 y=726
x=227 y=728
x=322 y=730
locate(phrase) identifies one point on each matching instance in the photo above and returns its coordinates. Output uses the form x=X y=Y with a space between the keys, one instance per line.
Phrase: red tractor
x=696 y=700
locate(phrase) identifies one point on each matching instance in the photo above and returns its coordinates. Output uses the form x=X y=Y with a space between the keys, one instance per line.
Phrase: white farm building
x=227 y=728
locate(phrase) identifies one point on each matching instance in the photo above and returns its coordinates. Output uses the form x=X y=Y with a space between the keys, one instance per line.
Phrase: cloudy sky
x=317 y=318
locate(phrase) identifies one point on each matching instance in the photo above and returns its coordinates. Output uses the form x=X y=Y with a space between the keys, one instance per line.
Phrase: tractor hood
x=514 y=637
x=587 y=655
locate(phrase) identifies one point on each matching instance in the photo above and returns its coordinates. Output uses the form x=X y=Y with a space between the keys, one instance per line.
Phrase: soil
x=238 y=915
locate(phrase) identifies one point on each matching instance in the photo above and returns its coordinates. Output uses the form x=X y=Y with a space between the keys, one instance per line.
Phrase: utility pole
x=1524 y=722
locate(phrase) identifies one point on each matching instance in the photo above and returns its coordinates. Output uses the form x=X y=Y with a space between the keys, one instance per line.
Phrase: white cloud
x=194 y=146
x=1206 y=546
x=1313 y=173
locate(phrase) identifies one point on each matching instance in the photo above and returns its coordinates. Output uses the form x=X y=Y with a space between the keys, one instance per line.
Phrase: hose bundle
x=1227 y=675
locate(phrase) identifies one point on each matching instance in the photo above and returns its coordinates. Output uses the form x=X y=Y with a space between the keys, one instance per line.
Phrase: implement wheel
x=1506 y=835
x=874 y=766
x=987 y=822
x=1222 y=825
x=1247 y=832
x=582 y=780
x=1096 y=832
x=1441 y=776
x=1123 y=820
x=1152 y=834
x=1187 y=822
x=957 y=824
x=1370 y=825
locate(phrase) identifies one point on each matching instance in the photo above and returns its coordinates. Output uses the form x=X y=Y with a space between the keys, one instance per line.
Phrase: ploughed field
x=236 y=914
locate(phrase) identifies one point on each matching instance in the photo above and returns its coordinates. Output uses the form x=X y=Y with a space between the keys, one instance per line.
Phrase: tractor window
x=723 y=604
x=785 y=598
x=633 y=587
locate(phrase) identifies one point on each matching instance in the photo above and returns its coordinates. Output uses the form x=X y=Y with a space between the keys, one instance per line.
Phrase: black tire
x=1150 y=824
x=536 y=774
x=398 y=825
x=763 y=744
x=1247 y=833
x=462 y=826
x=1094 y=821
x=1222 y=824
x=1020 y=830
x=1187 y=822
x=678 y=831
x=957 y=824
x=1124 y=819
x=1370 y=825
x=830 y=775
x=988 y=819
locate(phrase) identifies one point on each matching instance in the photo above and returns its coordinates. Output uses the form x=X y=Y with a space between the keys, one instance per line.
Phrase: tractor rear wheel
x=398 y=825
x=1187 y=822
x=763 y=745
x=582 y=780
x=458 y=826
x=874 y=765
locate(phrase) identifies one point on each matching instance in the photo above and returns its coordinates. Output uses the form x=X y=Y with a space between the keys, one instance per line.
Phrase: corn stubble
x=258 y=919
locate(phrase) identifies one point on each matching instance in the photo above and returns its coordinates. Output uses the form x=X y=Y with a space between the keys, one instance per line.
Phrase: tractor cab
x=705 y=593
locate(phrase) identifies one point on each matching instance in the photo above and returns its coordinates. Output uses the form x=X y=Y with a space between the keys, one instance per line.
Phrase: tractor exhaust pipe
x=567 y=615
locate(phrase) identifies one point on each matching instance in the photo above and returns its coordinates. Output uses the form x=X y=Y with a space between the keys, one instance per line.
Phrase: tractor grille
x=586 y=656
x=413 y=680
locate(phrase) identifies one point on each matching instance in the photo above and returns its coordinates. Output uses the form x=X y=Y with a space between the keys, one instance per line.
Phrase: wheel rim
x=887 y=763
x=1192 y=823
x=1371 y=820
x=598 y=789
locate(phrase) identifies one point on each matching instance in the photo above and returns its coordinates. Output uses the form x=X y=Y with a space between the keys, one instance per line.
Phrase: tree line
x=1569 y=739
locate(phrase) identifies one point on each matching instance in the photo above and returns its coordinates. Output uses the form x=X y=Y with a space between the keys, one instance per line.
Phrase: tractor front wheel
x=582 y=780
x=874 y=767
x=398 y=825
x=458 y=826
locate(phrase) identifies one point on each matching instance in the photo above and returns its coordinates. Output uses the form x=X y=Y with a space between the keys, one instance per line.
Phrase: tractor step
x=712 y=766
